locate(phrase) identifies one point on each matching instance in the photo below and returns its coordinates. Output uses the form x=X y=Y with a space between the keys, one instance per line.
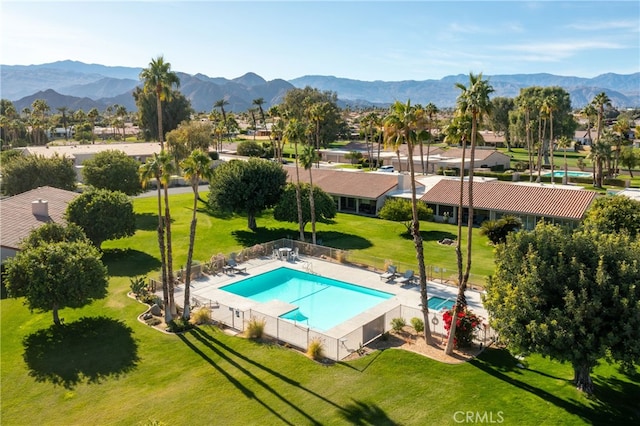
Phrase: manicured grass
x=105 y=367
x=369 y=240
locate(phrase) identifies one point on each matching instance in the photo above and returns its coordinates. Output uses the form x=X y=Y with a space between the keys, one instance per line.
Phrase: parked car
x=388 y=169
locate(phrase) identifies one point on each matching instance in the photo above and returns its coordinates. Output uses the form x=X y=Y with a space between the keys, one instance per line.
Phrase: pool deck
x=208 y=288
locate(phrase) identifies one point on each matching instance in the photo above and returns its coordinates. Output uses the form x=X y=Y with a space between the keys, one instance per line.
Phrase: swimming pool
x=320 y=302
x=569 y=174
x=436 y=303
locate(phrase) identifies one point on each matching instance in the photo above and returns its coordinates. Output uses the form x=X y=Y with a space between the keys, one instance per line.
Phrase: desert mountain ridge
x=78 y=85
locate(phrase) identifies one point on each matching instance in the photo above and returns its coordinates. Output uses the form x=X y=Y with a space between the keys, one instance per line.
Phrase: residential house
x=492 y=200
x=355 y=191
x=27 y=211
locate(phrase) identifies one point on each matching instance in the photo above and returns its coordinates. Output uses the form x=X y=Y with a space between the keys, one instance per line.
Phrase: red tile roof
x=349 y=184
x=544 y=201
x=18 y=220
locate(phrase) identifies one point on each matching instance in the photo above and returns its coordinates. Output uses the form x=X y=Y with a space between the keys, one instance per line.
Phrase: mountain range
x=77 y=85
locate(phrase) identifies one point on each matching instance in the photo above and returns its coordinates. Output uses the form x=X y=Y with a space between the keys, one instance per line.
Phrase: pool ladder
x=308 y=267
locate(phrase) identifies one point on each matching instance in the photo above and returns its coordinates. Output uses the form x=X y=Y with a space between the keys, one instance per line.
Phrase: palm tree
x=599 y=102
x=40 y=109
x=121 y=113
x=564 y=142
x=64 y=119
x=600 y=153
x=307 y=158
x=159 y=79
x=317 y=114
x=590 y=112
x=432 y=112
x=220 y=104
x=167 y=169
x=259 y=102
x=294 y=133
x=368 y=124
x=473 y=101
x=549 y=104
x=93 y=115
x=403 y=125
x=152 y=169
x=195 y=167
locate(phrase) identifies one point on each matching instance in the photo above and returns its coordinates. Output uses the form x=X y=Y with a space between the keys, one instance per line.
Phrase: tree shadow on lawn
x=129 y=262
x=498 y=362
x=91 y=349
x=364 y=413
x=333 y=239
x=617 y=399
x=146 y=221
x=358 y=413
x=428 y=236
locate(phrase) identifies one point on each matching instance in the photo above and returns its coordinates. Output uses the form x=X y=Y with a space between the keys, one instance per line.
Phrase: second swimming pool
x=322 y=303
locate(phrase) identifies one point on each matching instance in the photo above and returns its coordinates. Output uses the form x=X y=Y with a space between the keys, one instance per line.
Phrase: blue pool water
x=322 y=303
x=570 y=174
x=438 y=303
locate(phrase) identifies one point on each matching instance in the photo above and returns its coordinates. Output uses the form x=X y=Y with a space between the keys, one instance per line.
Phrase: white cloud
x=599 y=26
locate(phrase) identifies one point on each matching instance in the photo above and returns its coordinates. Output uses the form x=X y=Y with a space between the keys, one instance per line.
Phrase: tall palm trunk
x=463 y=278
x=298 y=197
x=422 y=158
x=418 y=244
x=551 y=144
x=186 y=313
x=527 y=125
x=159 y=109
x=161 y=245
x=170 y=276
x=312 y=205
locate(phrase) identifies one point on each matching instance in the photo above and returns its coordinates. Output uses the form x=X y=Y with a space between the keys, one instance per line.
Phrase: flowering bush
x=466 y=325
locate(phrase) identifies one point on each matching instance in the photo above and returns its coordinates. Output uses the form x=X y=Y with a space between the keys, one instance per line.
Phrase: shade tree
x=57 y=275
x=246 y=187
x=113 y=170
x=572 y=297
x=286 y=209
x=103 y=215
x=33 y=171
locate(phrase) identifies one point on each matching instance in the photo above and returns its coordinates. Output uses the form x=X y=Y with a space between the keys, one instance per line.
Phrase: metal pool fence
x=299 y=336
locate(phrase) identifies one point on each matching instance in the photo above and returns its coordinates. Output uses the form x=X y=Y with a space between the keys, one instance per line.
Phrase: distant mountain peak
x=250 y=79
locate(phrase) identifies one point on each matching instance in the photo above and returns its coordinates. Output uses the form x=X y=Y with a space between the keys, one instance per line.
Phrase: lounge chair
x=407 y=278
x=295 y=253
x=390 y=274
x=232 y=266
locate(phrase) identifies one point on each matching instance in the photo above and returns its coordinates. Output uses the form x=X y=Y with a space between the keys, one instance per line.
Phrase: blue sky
x=364 y=40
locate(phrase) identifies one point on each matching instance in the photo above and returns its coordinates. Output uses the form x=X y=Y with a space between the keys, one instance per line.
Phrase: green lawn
x=369 y=240
x=105 y=367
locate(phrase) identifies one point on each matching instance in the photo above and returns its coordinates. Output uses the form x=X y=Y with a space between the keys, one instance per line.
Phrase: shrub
x=255 y=328
x=397 y=324
x=417 y=324
x=250 y=149
x=466 y=326
x=201 y=316
x=140 y=288
x=315 y=349
x=497 y=230
x=179 y=325
x=153 y=321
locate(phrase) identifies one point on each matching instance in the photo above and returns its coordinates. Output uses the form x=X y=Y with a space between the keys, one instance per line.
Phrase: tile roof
x=350 y=184
x=544 y=201
x=16 y=216
x=480 y=153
